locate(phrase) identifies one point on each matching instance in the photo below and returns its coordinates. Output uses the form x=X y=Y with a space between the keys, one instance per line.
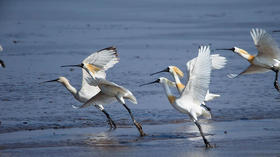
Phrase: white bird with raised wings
x=190 y=100
x=218 y=62
x=103 y=59
x=109 y=92
x=268 y=57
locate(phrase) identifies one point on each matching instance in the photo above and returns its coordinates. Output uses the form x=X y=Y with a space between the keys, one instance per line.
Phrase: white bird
x=268 y=57
x=218 y=62
x=103 y=59
x=194 y=93
x=2 y=62
x=109 y=93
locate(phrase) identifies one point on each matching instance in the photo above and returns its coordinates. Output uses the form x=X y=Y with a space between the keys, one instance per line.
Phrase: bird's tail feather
x=131 y=98
x=211 y=96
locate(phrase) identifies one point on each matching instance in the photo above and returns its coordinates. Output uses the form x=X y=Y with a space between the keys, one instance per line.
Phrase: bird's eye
x=82 y=64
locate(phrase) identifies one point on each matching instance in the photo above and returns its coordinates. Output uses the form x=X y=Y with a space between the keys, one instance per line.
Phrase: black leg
x=138 y=126
x=2 y=63
x=206 y=107
x=207 y=144
x=110 y=121
x=276 y=80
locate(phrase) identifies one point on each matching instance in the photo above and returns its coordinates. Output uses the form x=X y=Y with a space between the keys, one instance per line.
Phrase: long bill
x=77 y=65
x=230 y=49
x=49 y=81
x=165 y=70
x=156 y=81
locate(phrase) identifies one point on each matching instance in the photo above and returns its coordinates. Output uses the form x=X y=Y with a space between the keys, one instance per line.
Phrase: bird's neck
x=168 y=93
x=179 y=85
x=245 y=54
x=70 y=88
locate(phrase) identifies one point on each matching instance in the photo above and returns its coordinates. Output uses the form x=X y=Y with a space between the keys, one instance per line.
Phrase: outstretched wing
x=252 y=69
x=102 y=59
x=218 y=62
x=99 y=99
x=266 y=45
x=199 y=76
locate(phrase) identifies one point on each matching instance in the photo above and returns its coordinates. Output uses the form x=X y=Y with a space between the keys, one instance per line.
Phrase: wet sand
x=234 y=138
x=39 y=36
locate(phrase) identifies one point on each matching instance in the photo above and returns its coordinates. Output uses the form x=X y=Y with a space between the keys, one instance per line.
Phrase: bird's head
x=159 y=80
x=61 y=79
x=90 y=68
x=171 y=69
x=241 y=52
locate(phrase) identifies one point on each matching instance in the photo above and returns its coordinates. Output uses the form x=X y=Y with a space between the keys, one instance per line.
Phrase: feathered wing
x=87 y=89
x=99 y=99
x=199 y=77
x=218 y=62
x=266 y=45
x=102 y=59
x=252 y=69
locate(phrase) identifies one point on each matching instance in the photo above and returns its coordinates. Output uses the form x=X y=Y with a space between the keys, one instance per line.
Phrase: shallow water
x=40 y=36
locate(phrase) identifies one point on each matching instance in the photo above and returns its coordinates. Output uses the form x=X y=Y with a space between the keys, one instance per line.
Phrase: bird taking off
x=109 y=92
x=193 y=95
x=268 y=57
x=218 y=62
x=104 y=59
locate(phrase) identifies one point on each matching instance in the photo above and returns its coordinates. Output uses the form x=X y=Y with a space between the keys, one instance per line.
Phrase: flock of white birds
x=96 y=90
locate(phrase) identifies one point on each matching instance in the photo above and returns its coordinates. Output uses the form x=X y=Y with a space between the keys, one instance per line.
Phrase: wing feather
x=218 y=62
x=98 y=99
x=199 y=76
x=252 y=69
x=103 y=59
x=266 y=45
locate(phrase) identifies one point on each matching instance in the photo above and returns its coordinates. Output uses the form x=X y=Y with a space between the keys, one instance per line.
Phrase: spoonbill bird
x=218 y=62
x=268 y=57
x=109 y=92
x=194 y=93
x=2 y=62
x=103 y=59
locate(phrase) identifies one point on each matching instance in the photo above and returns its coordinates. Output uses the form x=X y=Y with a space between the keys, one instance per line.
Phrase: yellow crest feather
x=178 y=71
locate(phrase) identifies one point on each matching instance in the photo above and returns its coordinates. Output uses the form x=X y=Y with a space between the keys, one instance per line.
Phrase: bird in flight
x=104 y=59
x=267 y=59
x=193 y=95
x=109 y=92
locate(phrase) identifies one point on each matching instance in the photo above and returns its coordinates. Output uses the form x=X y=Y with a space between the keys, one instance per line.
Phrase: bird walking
x=190 y=100
x=109 y=92
x=105 y=59
x=218 y=62
x=268 y=57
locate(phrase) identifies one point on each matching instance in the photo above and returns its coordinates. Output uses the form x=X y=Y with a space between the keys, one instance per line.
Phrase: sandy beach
x=40 y=36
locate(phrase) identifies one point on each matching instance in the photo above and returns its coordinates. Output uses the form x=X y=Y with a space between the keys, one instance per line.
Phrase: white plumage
x=102 y=60
x=194 y=93
x=109 y=92
x=267 y=59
